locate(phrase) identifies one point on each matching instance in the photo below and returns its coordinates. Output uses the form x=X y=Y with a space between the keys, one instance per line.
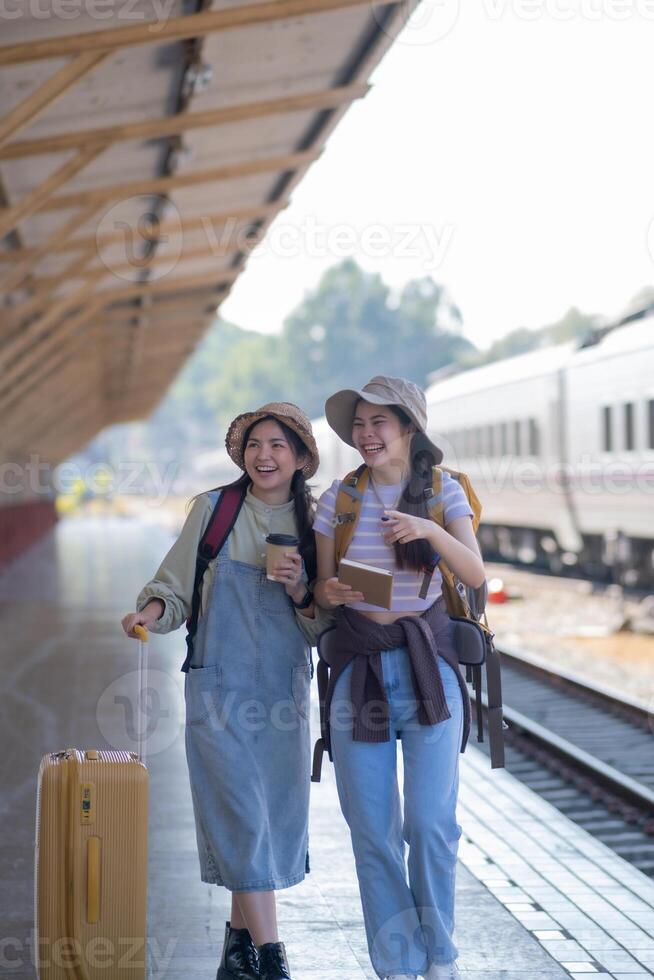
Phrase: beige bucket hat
x=285 y=412
x=380 y=390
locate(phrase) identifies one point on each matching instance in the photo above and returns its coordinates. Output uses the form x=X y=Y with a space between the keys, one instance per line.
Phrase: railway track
x=567 y=578
x=586 y=750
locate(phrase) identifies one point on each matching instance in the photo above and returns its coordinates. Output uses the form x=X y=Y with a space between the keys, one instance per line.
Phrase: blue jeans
x=408 y=924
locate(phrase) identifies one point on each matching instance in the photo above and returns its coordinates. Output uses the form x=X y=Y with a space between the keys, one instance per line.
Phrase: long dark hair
x=422 y=456
x=300 y=492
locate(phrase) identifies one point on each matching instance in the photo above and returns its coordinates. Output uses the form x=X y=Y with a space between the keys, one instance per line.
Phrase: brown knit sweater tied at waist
x=359 y=639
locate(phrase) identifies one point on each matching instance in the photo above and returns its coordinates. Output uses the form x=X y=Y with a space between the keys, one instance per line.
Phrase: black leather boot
x=240 y=960
x=273 y=964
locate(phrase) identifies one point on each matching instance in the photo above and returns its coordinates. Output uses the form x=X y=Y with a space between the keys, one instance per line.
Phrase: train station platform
x=537 y=897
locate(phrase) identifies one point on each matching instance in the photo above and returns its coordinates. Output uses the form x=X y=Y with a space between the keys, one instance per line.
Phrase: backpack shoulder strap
x=347 y=509
x=221 y=522
x=457 y=599
x=435 y=502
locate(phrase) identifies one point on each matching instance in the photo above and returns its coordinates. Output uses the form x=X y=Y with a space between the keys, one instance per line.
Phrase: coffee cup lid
x=286 y=539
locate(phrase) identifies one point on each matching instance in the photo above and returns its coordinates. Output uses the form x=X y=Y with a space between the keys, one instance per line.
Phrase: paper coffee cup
x=276 y=547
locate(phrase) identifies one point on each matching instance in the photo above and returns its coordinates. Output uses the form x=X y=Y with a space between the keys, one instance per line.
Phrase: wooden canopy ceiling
x=141 y=157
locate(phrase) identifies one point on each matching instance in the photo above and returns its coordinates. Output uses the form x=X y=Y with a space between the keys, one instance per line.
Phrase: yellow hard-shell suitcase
x=91 y=860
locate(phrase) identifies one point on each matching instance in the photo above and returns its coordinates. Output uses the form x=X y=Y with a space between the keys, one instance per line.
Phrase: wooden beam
x=56 y=446
x=28 y=372
x=120 y=413
x=157 y=384
x=15 y=347
x=24 y=412
x=76 y=269
x=22 y=352
x=22 y=420
x=15 y=240
x=49 y=284
x=48 y=92
x=158 y=321
x=161 y=287
x=180 y=350
x=136 y=344
x=184 y=121
x=162 y=185
x=189 y=305
x=29 y=258
x=35 y=199
x=60 y=241
x=64 y=447
x=78 y=415
x=61 y=446
x=175 y=29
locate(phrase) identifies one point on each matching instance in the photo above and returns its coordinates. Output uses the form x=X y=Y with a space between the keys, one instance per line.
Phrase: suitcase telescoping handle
x=141 y=718
x=78 y=968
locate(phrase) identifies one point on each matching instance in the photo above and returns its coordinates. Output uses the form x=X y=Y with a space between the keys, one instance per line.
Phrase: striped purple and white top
x=368 y=545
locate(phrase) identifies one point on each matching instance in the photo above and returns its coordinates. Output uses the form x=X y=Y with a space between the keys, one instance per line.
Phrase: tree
x=350 y=328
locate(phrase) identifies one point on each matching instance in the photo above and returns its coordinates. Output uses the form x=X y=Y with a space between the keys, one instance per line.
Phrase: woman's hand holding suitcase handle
x=149 y=615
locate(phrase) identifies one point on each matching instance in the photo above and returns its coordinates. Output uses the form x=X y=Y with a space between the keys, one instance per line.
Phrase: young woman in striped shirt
x=406 y=658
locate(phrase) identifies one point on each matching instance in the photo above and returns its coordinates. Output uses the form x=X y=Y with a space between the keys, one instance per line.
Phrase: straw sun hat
x=285 y=412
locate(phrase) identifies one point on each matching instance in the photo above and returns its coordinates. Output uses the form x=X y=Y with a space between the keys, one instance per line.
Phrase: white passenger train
x=559 y=445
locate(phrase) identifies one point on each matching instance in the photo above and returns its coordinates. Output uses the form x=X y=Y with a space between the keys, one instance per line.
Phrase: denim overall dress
x=247 y=732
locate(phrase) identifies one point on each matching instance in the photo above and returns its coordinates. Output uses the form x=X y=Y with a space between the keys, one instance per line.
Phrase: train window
x=650 y=423
x=467 y=449
x=607 y=429
x=629 y=441
x=534 y=442
x=517 y=442
x=490 y=438
x=504 y=439
x=479 y=440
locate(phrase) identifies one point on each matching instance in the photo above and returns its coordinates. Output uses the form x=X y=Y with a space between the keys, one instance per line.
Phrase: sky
x=506 y=149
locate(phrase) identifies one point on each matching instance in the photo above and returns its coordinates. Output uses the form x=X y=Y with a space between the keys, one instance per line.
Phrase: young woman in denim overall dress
x=419 y=687
x=247 y=689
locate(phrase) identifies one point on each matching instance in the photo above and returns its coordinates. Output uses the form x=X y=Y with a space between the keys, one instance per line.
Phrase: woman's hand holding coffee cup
x=284 y=563
x=288 y=571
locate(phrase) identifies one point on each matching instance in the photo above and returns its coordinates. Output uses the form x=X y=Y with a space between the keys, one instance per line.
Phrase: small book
x=375 y=583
